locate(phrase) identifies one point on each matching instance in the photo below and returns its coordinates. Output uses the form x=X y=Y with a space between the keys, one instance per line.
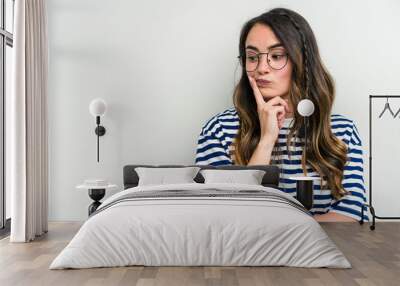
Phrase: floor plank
x=374 y=255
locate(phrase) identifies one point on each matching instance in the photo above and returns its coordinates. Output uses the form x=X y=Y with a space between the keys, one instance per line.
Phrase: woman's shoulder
x=340 y=117
x=227 y=114
x=344 y=127
x=227 y=117
x=341 y=121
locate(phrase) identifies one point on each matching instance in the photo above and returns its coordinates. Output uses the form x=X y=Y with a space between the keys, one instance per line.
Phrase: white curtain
x=27 y=122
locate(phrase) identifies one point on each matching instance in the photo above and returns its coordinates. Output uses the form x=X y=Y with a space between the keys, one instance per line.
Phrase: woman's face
x=261 y=39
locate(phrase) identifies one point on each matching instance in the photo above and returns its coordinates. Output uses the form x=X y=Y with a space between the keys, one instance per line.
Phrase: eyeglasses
x=277 y=60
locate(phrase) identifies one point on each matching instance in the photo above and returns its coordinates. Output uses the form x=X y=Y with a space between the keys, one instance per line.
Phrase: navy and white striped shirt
x=215 y=146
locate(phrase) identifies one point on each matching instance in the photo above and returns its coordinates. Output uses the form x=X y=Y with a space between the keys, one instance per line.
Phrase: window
x=6 y=44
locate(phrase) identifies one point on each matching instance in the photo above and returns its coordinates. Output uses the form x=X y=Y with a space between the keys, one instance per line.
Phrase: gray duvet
x=201 y=224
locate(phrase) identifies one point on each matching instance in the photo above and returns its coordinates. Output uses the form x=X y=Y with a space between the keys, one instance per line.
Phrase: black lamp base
x=96 y=195
x=304 y=193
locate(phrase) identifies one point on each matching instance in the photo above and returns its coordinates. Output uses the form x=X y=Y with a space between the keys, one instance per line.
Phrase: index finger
x=279 y=100
x=257 y=94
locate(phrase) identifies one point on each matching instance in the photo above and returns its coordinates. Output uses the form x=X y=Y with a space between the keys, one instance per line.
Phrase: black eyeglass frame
x=258 y=61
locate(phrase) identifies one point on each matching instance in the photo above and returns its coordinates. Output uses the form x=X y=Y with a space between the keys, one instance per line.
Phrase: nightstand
x=96 y=193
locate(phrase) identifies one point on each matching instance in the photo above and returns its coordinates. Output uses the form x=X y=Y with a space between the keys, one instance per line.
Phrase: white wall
x=165 y=67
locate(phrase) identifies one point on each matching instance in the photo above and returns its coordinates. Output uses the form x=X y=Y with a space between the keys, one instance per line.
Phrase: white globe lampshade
x=97 y=107
x=305 y=107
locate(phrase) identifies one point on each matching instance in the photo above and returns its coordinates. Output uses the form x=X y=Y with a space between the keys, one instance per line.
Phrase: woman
x=281 y=65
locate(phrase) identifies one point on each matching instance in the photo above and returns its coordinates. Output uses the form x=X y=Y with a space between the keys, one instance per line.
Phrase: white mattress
x=200 y=231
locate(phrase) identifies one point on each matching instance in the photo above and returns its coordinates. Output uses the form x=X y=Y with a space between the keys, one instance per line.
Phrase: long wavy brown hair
x=326 y=154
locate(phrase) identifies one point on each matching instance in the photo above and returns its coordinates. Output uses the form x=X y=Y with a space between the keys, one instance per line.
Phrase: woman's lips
x=263 y=83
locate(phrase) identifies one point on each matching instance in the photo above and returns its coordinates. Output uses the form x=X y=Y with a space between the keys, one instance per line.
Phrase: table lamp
x=304 y=184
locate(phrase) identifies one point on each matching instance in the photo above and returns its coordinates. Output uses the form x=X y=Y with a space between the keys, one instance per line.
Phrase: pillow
x=162 y=176
x=249 y=177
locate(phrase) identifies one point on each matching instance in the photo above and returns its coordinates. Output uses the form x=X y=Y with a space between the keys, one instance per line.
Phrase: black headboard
x=270 y=179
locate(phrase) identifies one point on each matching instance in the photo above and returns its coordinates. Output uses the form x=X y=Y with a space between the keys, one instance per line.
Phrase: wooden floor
x=374 y=255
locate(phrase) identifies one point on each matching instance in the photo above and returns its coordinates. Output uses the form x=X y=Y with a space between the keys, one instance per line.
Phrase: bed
x=201 y=224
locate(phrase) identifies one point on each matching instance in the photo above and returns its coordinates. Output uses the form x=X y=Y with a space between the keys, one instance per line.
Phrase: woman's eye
x=252 y=58
x=277 y=56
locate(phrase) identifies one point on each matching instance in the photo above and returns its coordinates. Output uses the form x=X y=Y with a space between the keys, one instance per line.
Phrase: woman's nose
x=263 y=65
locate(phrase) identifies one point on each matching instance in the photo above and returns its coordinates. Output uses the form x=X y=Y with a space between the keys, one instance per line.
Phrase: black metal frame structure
x=371 y=208
x=6 y=39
